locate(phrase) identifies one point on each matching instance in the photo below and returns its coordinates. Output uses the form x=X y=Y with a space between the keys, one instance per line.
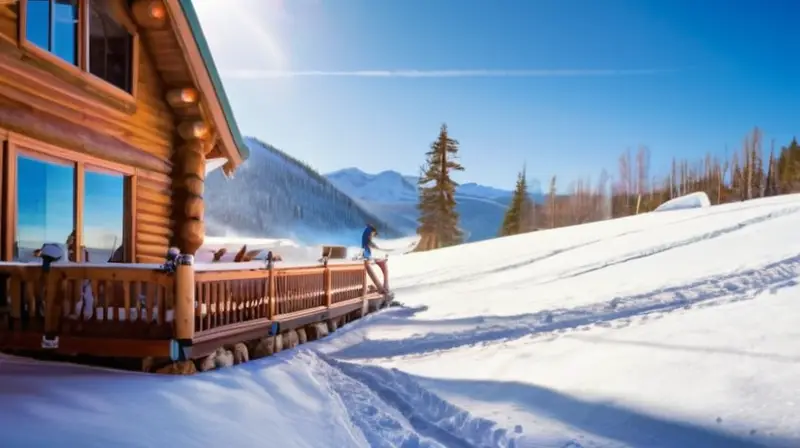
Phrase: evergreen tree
x=438 y=218
x=517 y=217
x=788 y=168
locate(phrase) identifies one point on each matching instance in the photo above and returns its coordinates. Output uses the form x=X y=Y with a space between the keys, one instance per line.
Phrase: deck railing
x=146 y=302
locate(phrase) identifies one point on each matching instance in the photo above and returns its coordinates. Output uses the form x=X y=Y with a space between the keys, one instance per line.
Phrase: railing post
x=272 y=299
x=326 y=276
x=52 y=314
x=184 y=298
x=15 y=290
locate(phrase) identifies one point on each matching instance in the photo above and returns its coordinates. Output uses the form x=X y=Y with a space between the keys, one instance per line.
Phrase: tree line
x=742 y=175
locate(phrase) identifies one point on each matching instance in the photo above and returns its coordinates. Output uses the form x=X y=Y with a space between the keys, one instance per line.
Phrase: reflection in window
x=110 y=46
x=37 y=23
x=103 y=216
x=53 y=26
x=45 y=205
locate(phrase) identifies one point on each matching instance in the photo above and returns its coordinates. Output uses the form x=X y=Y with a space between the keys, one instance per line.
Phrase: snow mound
x=689 y=201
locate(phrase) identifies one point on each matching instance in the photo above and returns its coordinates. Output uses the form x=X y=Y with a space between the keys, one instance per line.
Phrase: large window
x=103 y=216
x=45 y=204
x=47 y=209
x=103 y=46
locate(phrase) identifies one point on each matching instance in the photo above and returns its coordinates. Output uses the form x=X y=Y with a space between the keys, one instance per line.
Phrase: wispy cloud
x=544 y=73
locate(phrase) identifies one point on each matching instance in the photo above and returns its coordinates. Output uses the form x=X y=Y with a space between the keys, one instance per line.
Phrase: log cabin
x=111 y=113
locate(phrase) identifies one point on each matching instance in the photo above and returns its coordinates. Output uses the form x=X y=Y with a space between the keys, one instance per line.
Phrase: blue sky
x=367 y=83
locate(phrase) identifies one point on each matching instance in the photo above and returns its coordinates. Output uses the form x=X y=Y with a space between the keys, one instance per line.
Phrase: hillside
x=393 y=197
x=274 y=195
x=663 y=330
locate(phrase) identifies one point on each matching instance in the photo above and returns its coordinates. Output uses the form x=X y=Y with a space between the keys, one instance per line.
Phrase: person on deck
x=366 y=241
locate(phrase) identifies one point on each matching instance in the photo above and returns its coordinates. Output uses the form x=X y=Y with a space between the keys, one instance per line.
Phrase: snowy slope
x=393 y=197
x=275 y=196
x=670 y=329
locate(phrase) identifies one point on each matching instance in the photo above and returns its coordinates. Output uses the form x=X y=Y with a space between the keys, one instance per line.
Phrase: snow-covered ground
x=676 y=329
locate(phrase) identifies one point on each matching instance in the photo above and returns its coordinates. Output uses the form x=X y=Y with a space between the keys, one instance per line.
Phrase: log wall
x=140 y=133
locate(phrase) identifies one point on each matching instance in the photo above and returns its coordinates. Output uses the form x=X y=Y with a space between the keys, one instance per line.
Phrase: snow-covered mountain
x=393 y=197
x=273 y=195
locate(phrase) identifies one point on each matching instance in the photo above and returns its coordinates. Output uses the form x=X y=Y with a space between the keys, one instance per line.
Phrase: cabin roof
x=209 y=70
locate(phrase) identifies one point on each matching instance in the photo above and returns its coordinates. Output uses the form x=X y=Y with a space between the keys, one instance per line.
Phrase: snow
x=692 y=200
x=291 y=252
x=660 y=330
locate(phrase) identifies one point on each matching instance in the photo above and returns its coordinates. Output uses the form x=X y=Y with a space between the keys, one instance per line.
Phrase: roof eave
x=204 y=71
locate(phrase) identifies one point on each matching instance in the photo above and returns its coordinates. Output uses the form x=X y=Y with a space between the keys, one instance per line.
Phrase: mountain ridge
x=274 y=195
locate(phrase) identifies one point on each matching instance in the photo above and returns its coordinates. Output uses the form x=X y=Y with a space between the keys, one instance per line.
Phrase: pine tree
x=788 y=168
x=517 y=217
x=438 y=218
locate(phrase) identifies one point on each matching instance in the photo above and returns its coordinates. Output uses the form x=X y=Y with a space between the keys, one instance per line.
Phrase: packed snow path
x=673 y=329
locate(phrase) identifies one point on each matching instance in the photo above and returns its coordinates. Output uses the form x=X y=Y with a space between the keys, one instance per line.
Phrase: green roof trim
x=208 y=60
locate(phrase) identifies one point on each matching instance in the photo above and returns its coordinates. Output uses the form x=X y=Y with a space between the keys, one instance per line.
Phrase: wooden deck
x=144 y=311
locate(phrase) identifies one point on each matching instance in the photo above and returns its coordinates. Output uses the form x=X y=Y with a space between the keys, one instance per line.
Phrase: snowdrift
x=294 y=253
x=692 y=200
x=659 y=330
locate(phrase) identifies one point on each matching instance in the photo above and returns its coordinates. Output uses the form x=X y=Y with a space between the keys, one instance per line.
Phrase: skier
x=366 y=241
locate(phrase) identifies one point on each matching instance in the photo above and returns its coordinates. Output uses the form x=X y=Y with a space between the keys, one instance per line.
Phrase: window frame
x=17 y=144
x=81 y=69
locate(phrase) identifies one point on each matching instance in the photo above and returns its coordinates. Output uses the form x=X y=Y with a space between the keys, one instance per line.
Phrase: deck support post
x=385 y=271
x=364 y=291
x=184 y=299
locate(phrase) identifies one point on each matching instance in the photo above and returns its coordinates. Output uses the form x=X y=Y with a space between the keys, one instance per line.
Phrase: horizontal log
x=183 y=97
x=149 y=238
x=193 y=130
x=152 y=250
x=153 y=209
x=153 y=229
x=51 y=129
x=150 y=14
x=154 y=218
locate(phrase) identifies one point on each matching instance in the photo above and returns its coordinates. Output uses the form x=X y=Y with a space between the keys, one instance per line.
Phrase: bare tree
x=552 y=200
x=642 y=174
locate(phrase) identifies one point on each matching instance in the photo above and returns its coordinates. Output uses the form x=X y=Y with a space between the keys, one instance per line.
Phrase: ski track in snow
x=393 y=410
x=475 y=276
x=675 y=245
x=710 y=291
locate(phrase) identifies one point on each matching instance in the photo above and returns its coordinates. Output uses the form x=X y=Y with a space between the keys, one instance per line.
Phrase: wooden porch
x=144 y=311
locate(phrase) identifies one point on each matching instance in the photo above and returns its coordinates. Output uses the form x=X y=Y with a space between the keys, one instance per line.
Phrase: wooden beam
x=193 y=130
x=150 y=14
x=57 y=131
x=183 y=97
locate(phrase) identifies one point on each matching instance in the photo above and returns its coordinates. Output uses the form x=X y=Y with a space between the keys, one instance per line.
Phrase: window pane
x=110 y=46
x=103 y=216
x=45 y=205
x=37 y=23
x=65 y=30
